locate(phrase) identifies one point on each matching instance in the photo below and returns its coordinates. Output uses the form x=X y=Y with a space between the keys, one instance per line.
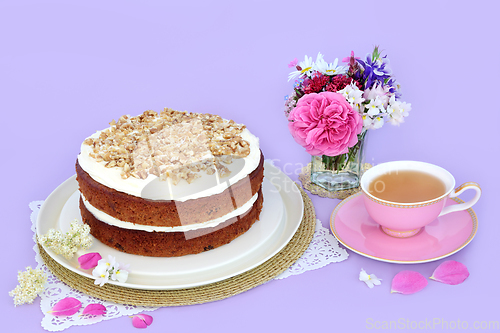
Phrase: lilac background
x=68 y=68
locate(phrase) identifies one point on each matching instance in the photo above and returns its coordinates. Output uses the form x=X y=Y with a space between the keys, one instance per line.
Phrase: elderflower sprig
x=31 y=284
x=67 y=244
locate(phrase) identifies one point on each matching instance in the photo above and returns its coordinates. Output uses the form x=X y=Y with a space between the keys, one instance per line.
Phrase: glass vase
x=341 y=172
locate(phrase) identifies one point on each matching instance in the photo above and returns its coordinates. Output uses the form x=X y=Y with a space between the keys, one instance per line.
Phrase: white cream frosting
x=154 y=189
x=101 y=216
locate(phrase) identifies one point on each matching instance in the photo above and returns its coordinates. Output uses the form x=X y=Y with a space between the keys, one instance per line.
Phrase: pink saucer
x=356 y=230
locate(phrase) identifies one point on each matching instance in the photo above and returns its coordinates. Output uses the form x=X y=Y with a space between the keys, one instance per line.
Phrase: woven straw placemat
x=208 y=293
x=305 y=179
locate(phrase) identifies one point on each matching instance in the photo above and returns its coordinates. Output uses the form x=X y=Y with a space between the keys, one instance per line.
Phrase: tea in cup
x=404 y=196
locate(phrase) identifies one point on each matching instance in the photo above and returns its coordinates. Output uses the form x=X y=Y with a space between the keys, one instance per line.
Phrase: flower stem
x=340 y=162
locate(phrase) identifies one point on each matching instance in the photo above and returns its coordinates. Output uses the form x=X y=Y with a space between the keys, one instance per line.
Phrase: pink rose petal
x=89 y=260
x=66 y=307
x=94 y=309
x=141 y=320
x=293 y=63
x=450 y=272
x=408 y=282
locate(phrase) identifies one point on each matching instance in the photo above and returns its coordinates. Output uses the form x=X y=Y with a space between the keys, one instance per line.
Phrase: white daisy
x=334 y=69
x=320 y=65
x=306 y=67
x=329 y=68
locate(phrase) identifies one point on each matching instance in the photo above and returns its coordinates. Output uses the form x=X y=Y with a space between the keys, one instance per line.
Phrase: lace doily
x=323 y=250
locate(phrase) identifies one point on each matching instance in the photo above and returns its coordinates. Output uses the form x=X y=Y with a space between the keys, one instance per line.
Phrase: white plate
x=279 y=220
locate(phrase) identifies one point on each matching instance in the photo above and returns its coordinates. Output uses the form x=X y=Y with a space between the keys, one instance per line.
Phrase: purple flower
x=374 y=70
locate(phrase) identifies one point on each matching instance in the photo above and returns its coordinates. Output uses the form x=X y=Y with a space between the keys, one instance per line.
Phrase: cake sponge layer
x=168 y=213
x=171 y=244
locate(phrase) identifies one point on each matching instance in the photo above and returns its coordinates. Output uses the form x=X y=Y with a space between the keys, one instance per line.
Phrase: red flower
x=339 y=82
x=316 y=83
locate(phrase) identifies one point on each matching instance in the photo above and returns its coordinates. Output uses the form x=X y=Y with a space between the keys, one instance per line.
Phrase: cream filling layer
x=101 y=216
x=201 y=187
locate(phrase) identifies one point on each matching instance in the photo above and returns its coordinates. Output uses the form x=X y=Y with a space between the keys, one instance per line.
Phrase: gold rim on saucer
x=458 y=248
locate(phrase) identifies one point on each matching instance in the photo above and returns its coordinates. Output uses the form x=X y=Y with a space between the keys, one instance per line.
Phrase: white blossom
x=107 y=269
x=375 y=106
x=120 y=273
x=378 y=122
x=367 y=122
x=101 y=273
x=372 y=123
x=378 y=91
x=397 y=111
x=370 y=279
x=352 y=94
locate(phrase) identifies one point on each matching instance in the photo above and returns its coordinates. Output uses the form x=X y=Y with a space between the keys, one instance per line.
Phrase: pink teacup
x=406 y=219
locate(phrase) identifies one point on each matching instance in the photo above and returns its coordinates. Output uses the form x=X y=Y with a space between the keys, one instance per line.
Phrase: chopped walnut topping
x=173 y=144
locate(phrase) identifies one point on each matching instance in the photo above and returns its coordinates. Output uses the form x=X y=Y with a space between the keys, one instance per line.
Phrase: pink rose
x=325 y=124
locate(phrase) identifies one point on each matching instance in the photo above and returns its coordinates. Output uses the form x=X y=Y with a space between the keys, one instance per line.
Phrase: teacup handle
x=465 y=205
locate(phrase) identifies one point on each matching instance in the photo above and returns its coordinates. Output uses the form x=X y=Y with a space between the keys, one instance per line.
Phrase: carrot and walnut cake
x=171 y=183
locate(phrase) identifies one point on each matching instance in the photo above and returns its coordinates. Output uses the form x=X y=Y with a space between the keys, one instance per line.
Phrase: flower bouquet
x=332 y=107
